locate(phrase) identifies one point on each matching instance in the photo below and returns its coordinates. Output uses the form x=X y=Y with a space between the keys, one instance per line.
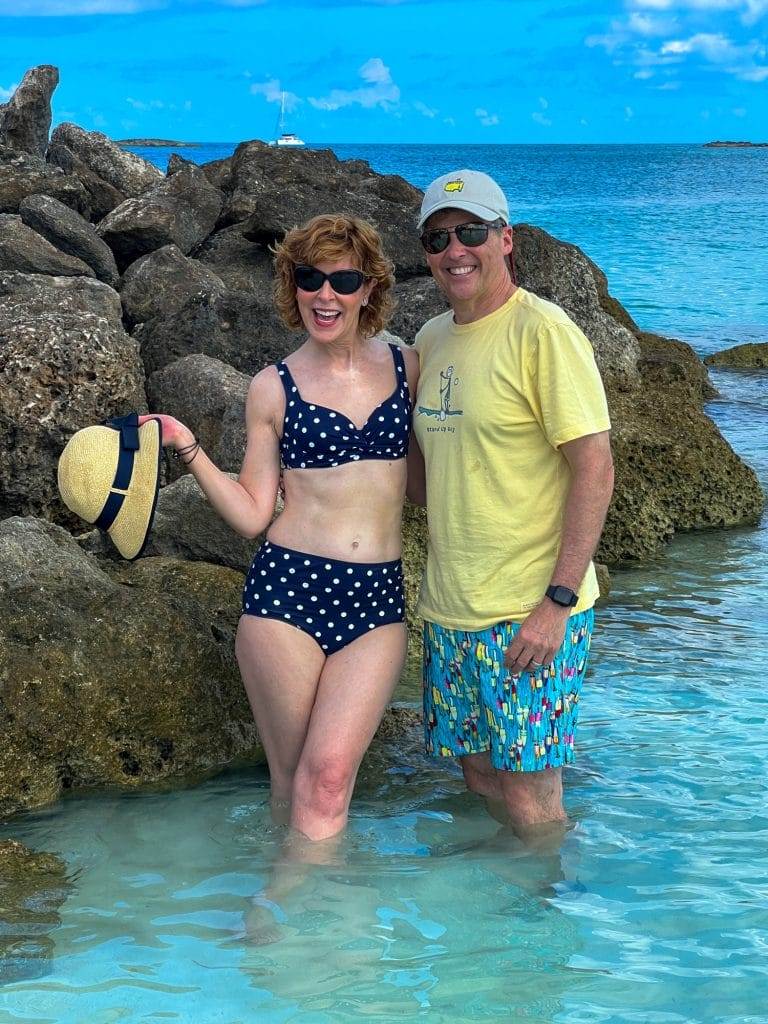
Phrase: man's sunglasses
x=472 y=234
x=344 y=282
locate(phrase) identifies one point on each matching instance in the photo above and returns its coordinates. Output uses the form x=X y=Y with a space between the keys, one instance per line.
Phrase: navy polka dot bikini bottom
x=334 y=602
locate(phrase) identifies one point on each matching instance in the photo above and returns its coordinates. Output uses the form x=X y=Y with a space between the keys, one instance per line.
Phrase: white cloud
x=543 y=102
x=644 y=74
x=380 y=91
x=450 y=121
x=144 y=104
x=628 y=113
x=668 y=87
x=647 y=25
x=5 y=94
x=486 y=119
x=425 y=110
x=272 y=93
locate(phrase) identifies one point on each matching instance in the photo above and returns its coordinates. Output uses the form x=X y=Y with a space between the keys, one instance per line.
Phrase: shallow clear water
x=654 y=909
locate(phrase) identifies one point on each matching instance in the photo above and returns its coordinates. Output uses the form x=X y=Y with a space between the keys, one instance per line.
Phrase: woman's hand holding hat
x=175 y=434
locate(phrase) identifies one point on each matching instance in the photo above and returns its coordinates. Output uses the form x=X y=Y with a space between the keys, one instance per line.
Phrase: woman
x=321 y=641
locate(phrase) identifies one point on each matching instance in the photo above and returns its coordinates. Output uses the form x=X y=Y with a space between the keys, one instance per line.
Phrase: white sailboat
x=285 y=138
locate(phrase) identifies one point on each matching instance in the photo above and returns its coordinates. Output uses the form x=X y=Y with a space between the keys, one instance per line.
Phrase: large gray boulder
x=70 y=233
x=58 y=372
x=120 y=677
x=241 y=264
x=160 y=283
x=233 y=327
x=182 y=210
x=24 y=175
x=274 y=189
x=209 y=397
x=25 y=250
x=25 y=119
x=101 y=196
x=29 y=295
x=72 y=147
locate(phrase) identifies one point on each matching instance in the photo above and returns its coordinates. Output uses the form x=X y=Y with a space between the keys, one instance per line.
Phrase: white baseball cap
x=472 y=191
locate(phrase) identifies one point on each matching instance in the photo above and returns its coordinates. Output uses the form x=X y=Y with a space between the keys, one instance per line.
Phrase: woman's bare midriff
x=351 y=513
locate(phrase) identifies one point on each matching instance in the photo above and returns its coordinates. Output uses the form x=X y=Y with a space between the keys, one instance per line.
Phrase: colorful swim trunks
x=472 y=703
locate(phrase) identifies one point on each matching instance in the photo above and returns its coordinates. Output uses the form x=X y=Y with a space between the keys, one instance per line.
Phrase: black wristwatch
x=563 y=596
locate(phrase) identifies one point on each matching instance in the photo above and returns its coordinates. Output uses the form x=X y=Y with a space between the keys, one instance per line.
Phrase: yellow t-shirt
x=496 y=398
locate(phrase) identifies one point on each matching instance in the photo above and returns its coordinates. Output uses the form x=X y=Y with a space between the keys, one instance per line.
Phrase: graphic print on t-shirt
x=447 y=381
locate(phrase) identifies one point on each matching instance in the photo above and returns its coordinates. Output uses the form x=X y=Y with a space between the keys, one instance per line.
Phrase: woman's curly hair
x=328 y=238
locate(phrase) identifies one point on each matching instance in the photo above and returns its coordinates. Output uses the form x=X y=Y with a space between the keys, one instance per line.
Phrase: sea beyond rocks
x=122 y=288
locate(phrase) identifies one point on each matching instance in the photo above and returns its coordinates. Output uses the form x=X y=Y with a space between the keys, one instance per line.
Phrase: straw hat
x=109 y=476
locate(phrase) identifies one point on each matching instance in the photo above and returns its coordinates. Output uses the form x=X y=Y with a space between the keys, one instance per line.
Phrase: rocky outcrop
x=72 y=148
x=30 y=295
x=59 y=371
x=70 y=233
x=117 y=677
x=33 y=886
x=25 y=119
x=25 y=250
x=23 y=175
x=160 y=283
x=181 y=210
x=242 y=265
x=233 y=327
x=274 y=189
x=752 y=356
x=209 y=396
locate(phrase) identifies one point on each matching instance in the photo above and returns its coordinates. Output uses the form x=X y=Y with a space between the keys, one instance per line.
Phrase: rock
x=209 y=397
x=233 y=327
x=25 y=119
x=102 y=197
x=33 y=886
x=242 y=265
x=751 y=356
x=666 y=361
x=25 y=250
x=70 y=233
x=414 y=562
x=112 y=678
x=28 y=295
x=58 y=372
x=23 y=175
x=187 y=527
x=418 y=300
x=603 y=580
x=160 y=283
x=182 y=210
x=562 y=274
x=73 y=147
x=674 y=470
x=274 y=189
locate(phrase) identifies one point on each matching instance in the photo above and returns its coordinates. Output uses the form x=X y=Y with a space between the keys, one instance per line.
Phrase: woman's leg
x=355 y=687
x=280 y=666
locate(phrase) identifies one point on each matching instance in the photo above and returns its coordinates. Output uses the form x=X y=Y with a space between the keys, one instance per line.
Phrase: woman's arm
x=416 y=490
x=248 y=503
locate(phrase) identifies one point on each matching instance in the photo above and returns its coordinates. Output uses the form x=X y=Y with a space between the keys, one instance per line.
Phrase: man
x=517 y=473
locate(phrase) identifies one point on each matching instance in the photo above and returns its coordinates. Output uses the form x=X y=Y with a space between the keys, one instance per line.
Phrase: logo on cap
x=454 y=186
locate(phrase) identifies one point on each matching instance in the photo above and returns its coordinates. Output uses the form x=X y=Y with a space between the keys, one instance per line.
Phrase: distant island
x=718 y=145
x=164 y=143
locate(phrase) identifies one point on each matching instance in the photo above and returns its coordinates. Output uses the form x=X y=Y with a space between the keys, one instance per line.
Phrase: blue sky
x=522 y=71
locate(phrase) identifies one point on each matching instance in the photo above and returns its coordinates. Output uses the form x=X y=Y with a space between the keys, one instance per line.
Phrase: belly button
x=355 y=543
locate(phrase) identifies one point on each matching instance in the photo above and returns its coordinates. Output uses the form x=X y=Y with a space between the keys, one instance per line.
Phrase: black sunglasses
x=310 y=279
x=471 y=234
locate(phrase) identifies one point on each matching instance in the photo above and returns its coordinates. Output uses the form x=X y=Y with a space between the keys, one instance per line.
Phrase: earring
x=365 y=302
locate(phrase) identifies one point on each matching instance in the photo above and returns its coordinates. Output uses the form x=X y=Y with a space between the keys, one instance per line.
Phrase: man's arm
x=587 y=502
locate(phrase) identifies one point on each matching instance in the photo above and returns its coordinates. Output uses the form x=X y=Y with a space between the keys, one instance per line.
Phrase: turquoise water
x=654 y=909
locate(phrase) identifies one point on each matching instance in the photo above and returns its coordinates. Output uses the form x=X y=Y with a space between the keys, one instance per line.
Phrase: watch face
x=563 y=596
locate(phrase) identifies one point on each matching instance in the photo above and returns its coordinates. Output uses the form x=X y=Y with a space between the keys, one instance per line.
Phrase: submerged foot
x=264 y=922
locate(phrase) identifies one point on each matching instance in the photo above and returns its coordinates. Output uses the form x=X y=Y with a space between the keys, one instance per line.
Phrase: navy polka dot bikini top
x=316 y=437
